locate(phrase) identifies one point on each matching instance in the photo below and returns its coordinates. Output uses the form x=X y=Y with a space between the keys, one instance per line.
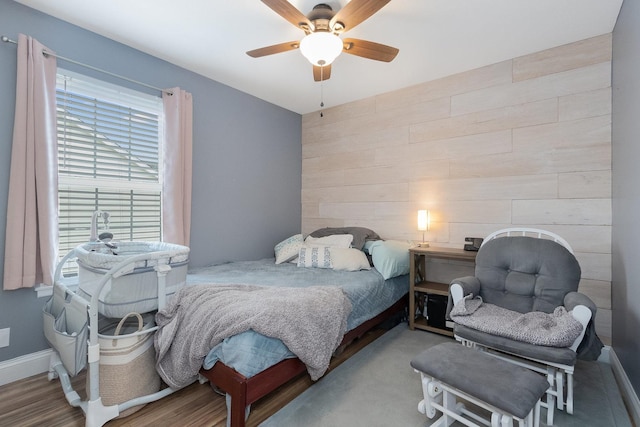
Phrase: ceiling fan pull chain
x=321 y=89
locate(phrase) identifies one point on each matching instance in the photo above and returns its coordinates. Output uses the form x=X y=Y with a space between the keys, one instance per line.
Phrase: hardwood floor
x=35 y=401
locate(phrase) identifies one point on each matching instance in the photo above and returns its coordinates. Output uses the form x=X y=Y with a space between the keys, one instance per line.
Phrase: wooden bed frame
x=245 y=391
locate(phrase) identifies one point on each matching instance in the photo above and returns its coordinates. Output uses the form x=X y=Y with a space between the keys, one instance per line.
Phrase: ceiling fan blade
x=356 y=11
x=289 y=12
x=370 y=50
x=321 y=73
x=276 y=48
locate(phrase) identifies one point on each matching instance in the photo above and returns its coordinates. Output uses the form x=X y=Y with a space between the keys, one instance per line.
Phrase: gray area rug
x=378 y=388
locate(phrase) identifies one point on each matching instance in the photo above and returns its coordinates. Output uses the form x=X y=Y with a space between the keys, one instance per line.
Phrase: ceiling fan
x=322 y=26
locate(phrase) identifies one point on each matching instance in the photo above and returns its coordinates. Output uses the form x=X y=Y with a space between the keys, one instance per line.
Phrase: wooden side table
x=420 y=287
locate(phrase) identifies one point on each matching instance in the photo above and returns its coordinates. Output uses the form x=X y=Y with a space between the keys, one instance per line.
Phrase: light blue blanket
x=249 y=352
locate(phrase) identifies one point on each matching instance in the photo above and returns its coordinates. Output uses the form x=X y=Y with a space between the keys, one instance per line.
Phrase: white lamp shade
x=423 y=220
x=321 y=48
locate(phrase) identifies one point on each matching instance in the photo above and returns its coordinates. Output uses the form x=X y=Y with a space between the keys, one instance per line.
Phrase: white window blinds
x=108 y=159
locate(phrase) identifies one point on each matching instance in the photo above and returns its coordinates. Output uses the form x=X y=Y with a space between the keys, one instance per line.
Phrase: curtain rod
x=47 y=53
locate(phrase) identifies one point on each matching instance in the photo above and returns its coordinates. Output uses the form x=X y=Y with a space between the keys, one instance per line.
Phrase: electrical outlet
x=4 y=337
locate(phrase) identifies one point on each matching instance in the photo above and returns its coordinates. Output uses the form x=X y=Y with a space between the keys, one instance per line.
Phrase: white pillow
x=288 y=249
x=348 y=259
x=314 y=256
x=335 y=240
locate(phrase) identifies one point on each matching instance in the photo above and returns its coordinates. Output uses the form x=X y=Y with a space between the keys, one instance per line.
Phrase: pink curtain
x=176 y=185
x=31 y=243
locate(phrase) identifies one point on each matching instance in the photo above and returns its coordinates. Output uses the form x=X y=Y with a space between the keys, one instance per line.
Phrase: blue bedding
x=250 y=353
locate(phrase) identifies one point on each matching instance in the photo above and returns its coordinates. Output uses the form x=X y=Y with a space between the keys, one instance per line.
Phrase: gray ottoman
x=450 y=370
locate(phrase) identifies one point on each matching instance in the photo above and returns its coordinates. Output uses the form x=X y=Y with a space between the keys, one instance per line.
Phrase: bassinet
x=132 y=276
x=135 y=287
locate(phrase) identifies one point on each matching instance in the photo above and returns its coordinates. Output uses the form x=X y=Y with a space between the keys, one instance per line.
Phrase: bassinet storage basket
x=127 y=360
x=65 y=327
x=134 y=288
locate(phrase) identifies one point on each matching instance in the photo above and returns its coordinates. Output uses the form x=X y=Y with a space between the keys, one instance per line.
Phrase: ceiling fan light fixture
x=321 y=48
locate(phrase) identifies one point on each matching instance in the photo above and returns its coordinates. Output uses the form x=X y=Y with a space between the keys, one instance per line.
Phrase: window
x=108 y=159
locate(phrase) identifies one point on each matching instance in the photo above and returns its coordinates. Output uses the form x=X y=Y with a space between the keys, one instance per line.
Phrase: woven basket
x=127 y=362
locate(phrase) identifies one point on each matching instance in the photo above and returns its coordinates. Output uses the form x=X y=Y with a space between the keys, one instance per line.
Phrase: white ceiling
x=436 y=38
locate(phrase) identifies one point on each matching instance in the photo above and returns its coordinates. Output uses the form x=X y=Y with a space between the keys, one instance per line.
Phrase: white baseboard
x=24 y=366
x=628 y=393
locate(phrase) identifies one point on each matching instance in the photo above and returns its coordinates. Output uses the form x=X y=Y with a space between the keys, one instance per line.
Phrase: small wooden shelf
x=432 y=288
x=420 y=285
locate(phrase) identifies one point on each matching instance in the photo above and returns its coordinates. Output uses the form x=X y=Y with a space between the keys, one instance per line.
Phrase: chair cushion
x=508 y=387
x=525 y=273
x=558 y=355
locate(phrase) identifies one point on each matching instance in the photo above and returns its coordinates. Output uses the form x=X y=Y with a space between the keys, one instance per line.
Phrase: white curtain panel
x=177 y=162
x=32 y=212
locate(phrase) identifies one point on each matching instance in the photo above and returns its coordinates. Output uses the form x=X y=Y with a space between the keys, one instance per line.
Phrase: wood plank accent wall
x=525 y=142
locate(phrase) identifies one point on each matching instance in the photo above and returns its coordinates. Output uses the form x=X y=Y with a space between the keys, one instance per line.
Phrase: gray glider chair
x=525 y=270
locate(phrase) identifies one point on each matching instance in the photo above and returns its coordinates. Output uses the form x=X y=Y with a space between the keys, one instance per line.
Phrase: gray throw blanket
x=310 y=321
x=557 y=329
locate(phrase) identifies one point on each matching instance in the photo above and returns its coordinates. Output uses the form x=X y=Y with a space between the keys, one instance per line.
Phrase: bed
x=233 y=367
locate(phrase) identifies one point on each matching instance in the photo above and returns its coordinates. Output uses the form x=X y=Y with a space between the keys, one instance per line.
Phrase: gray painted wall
x=246 y=157
x=626 y=191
